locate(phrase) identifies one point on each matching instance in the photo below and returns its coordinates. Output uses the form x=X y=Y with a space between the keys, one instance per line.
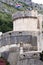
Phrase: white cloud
x=38 y=1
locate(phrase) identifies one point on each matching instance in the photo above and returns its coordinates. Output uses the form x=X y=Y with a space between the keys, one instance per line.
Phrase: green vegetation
x=12 y=9
x=9 y=8
x=5 y=22
x=6 y=12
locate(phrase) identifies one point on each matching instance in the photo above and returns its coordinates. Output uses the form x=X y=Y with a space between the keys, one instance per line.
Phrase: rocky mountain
x=8 y=7
x=12 y=6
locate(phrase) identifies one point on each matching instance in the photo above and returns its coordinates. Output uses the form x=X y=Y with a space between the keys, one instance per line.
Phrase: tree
x=5 y=22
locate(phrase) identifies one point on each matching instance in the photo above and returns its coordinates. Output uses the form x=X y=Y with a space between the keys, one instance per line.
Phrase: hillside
x=12 y=8
x=6 y=11
x=18 y=5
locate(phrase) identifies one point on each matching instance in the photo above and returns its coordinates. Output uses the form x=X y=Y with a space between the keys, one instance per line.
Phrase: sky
x=38 y=1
